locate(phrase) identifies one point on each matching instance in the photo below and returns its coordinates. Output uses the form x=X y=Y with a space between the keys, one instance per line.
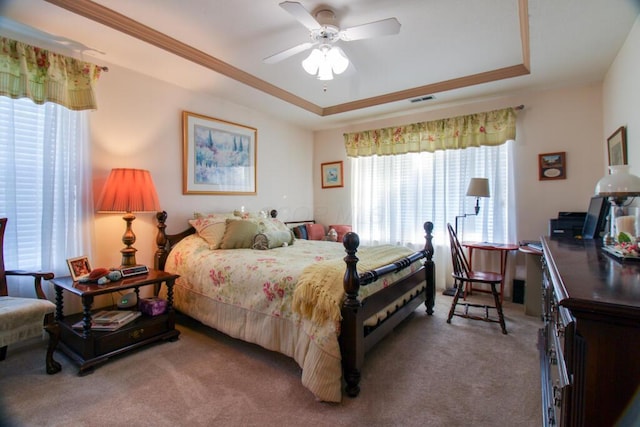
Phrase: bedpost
x=351 y=242
x=429 y=268
x=161 y=242
x=351 y=332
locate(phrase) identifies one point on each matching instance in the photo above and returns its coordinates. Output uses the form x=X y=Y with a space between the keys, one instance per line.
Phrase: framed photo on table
x=219 y=157
x=332 y=174
x=552 y=166
x=79 y=267
x=617 y=147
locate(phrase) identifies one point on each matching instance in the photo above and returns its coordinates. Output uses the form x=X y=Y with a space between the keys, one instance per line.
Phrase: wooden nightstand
x=89 y=347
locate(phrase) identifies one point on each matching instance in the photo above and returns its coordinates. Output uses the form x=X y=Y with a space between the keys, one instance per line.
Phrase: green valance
x=43 y=76
x=473 y=130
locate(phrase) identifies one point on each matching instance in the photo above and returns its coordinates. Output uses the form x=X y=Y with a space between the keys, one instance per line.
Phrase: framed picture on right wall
x=617 y=147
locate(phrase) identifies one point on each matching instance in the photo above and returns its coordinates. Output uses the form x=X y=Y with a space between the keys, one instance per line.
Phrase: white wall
x=568 y=119
x=621 y=97
x=138 y=124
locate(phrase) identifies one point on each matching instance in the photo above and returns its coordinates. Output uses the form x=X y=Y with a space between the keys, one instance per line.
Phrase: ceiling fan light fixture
x=325 y=60
x=323 y=33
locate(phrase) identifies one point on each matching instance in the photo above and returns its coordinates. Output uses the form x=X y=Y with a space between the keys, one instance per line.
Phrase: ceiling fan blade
x=287 y=53
x=384 y=27
x=301 y=14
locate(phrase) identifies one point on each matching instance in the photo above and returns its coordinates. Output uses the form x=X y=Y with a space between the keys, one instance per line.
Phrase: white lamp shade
x=620 y=183
x=313 y=61
x=338 y=60
x=324 y=71
x=478 y=187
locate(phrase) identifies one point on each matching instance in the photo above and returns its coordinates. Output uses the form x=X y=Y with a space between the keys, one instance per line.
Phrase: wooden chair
x=23 y=318
x=463 y=275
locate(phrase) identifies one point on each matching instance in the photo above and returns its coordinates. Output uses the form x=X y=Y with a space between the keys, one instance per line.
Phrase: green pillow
x=239 y=234
x=272 y=239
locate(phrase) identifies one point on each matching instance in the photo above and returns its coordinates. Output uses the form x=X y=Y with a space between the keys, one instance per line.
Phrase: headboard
x=165 y=241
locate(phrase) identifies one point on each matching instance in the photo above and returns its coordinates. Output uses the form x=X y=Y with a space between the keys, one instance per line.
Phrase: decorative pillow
x=239 y=234
x=315 y=231
x=210 y=229
x=272 y=239
x=341 y=230
x=300 y=232
x=268 y=225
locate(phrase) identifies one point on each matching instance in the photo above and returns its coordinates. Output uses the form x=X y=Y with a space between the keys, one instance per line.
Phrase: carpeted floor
x=426 y=373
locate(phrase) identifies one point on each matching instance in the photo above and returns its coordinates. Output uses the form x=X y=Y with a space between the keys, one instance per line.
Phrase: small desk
x=504 y=249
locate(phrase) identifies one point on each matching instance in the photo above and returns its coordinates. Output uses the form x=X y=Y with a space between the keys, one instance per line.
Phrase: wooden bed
x=357 y=337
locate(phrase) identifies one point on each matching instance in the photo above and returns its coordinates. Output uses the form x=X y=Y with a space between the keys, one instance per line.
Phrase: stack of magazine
x=109 y=320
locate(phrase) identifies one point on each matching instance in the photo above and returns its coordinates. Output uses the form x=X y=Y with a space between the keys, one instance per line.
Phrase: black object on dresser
x=590 y=342
x=89 y=347
x=567 y=224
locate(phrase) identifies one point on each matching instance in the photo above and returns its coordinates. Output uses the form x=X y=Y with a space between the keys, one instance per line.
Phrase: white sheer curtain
x=45 y=184
x=393 y=196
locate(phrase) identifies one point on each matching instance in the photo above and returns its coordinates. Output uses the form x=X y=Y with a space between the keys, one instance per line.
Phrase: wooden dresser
x=590 y=342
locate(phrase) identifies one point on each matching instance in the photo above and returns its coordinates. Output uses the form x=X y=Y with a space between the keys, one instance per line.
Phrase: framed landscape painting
x=219 y=157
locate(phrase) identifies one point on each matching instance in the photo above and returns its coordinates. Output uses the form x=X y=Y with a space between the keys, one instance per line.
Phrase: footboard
x=356 y=338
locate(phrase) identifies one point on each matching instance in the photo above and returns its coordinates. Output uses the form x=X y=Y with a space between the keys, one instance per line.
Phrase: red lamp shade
x=128 y=190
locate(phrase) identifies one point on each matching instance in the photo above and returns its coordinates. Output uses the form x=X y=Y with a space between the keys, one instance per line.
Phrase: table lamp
x=128 y=191
x=618 y=186
x=478 y=187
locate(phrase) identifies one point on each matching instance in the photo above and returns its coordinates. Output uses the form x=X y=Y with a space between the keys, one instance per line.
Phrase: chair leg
x=496 y=298
x=3 y=353
x=53 y=329
x=456 y=296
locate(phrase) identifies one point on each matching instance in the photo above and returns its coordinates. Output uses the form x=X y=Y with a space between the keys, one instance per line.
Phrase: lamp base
x=129 y=238
x=128 y=257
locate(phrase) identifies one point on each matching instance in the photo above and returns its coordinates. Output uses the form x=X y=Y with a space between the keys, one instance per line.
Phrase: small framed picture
x=79 y=267
x=617 y=147
x=332 y=175
x=552 y=166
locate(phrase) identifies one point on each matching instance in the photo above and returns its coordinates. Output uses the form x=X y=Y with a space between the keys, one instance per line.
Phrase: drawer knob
x=136 y=334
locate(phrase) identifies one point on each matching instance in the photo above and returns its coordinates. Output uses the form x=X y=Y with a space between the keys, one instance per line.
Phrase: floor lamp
x=478 y=187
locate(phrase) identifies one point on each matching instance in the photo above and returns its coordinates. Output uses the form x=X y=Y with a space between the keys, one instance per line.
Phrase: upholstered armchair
x=23 y=318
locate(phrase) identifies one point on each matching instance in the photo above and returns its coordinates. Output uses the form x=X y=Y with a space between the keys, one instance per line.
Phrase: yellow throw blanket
x=319 y=292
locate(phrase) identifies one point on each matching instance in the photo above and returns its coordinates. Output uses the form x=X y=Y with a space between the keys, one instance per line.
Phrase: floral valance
x=44 y=76
x=473 y=130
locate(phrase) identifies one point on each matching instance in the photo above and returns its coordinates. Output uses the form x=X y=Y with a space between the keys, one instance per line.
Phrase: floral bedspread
x=248 y=294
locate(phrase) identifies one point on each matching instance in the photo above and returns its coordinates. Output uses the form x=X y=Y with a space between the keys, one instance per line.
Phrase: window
x=45 y=185
x=394 y=195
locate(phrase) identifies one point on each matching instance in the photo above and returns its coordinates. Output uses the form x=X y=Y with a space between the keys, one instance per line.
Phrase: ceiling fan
x=326 y=58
